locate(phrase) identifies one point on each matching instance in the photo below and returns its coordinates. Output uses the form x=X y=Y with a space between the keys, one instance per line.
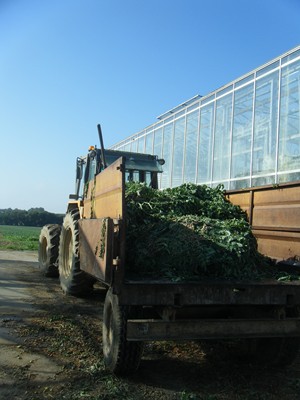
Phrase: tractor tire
x=73 y=280
x=48 y=250
x=120 y=356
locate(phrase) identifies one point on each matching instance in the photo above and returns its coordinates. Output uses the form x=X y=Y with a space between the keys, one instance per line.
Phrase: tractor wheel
x=120 y=356
x=73 y=280
x=48 y=249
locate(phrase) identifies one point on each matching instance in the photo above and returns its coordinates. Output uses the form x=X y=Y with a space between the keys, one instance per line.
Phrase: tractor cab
x=138 y=167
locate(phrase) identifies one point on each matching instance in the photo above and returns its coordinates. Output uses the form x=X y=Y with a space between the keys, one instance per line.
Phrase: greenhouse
x=244 y=134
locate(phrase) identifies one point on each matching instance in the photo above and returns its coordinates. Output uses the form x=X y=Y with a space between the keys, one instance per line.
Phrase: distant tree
x=33 y=217
x=40 y=209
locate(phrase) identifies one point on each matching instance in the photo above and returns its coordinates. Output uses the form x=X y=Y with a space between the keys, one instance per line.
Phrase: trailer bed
x=209 y=292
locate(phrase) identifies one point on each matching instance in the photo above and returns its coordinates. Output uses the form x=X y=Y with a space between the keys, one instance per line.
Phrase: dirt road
x=17 y=309
x=30 y=308
x=50 y=348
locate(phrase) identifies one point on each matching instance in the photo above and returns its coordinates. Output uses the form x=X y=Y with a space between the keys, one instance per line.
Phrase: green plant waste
x=190 y=232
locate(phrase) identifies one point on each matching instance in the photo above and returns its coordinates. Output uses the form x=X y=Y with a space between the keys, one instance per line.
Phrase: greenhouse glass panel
x=222 y=185
x=221 y=158
x=242 y=132
x=149 y=143
x=127 y=147
x=267 y=69
x=134 y=145
x=205 y=143
x=190 y=161
x=157 y=151
x=263 y=180
x=290 y=57
x=239 y=184
x=158 y=143
x=265 y=125
x=177 y=170
x=141 y=144
x=289 y=128
x=167 y=155
x=294 y=176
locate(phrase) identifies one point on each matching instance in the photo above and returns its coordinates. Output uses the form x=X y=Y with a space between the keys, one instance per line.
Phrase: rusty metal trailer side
x=274 y=215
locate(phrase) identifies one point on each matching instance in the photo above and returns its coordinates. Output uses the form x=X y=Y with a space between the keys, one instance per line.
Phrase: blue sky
x=66 y=65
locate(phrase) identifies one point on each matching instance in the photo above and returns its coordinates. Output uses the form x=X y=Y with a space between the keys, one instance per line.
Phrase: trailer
x=90 y=246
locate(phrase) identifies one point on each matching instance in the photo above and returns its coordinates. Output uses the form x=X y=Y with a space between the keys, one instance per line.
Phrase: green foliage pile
x=187 y=233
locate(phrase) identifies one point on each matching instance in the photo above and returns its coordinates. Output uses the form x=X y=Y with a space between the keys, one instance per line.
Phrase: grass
x=19 y=237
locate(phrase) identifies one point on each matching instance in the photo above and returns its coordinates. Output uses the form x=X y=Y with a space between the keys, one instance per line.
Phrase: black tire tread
x=78 y=283
x=50 y=232
x=127 y=355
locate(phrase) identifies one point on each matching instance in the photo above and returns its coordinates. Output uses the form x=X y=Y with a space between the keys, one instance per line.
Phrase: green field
x=19 y=237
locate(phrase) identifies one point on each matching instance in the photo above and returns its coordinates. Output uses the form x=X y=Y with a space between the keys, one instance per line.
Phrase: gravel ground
x=51 y=349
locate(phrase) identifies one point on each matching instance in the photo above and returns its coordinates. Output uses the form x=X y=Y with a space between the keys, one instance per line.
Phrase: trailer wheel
x=274 y=351
x=73 y=280
x=48 y=249
x=120 y=356
x=278 y=351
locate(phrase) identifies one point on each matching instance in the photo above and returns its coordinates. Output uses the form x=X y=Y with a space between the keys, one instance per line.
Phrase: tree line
x=31 y=217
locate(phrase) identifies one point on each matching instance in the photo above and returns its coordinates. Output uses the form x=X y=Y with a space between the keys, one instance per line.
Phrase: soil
x=50 y=348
